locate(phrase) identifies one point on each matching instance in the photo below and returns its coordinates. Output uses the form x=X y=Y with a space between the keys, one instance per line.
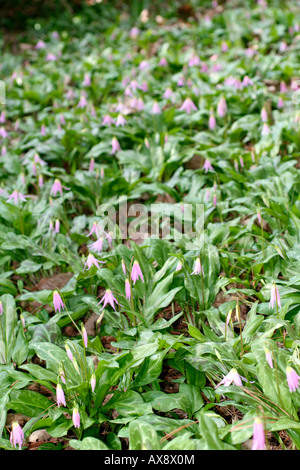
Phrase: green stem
x=21 y=218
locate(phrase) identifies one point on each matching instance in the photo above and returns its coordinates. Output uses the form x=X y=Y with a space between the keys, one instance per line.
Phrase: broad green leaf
x=142 y=436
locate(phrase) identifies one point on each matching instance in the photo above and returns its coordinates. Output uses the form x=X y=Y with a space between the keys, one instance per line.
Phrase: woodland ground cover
x=118 y=329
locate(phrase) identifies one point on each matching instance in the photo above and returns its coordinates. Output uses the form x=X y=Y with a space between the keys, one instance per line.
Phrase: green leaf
x=61 y=429
x=28 y=403
x=8 y=325
x=209 y=432
x=128 y=404
x=88 y=443
x=142 y=436
x=21 y=348
x=193 y=396
x=165 y=402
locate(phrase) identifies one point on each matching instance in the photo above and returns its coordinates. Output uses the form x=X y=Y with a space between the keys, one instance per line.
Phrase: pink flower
x=265 y=129
x=215 y=200
x=232 y=376
x=69 y=352
x=144 y=87
x=250 y=52
x=84 y=336
x=60 y=396
x=43 y=130
x=62 y=119
x=2 y=117
x=168 y=93
x=188 y=106
x=87 y=80
x=128 y=91
x=207 y=166
x=16 y=435
x=115 y=146
x=134 y=32
x=283 y=47
x=127 y=289
x=275 y=297
x=41 y=181
x=283 y=87
x=292 y=379
x=144 y=65
x=136 y=272
x=3 y=132
x=204 y=67
x=1 y=308
x=76 y=417
x=155 y=108
x=264 y=115
x=92 y=261
x=51 y=57
x=92 y=165
x=269 y=357
x=123 y=267
x=57 y=188
x=40 y=44
x=258 y=435
x=228 y=318
x=133 y=85
x=95 y=229
x=109 y=237
x=280 y=103
x=62 y=375
x=259 y=216
x=222 y=107
x=16 y=196
x=179 y=266
x=247 y=81
x=70 y=94
x=38 y=160
x=140 y=104
x=57 y=225
x=107 y=120
x=108 y=298
x=163 y=62
x=194 y=61
x=57 y=302
x=211 y=121
x=121 y=121
x=198 y=267
x=82 y=103
x=93 y=382
x=97 y=246
x=224 y=47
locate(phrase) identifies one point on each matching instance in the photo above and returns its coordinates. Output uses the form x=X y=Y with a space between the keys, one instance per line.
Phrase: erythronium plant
x=201 y=130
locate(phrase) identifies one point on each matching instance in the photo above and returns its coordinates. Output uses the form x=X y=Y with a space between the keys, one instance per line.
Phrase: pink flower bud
x=16 y=435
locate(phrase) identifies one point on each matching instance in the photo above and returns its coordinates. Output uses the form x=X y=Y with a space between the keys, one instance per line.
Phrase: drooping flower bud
x=16 y=435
